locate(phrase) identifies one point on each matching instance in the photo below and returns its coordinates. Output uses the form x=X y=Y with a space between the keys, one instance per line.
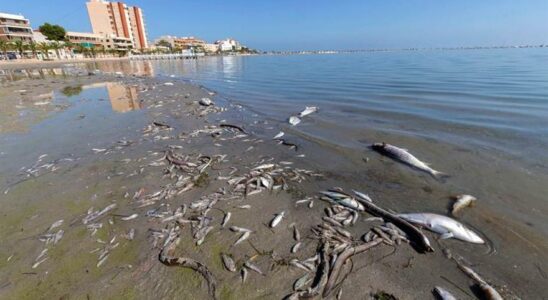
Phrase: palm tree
x=20 y=46
x=92 y=50
x=5 y=46
x=69 y=45
x=33 y=48
x=45 y=47
x=56 y=46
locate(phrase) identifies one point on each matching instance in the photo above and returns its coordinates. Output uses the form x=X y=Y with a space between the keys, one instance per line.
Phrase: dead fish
x=264 y=167
x=226 y=219
x=55 y=224
x=36 y=264
x=444 y=294
x=168 y=83
x=279 y=135
x=296 y=247
x=58 y=236
x=243 y=237
x=405 y=157
x=130 y=217
x=102 y=260
x=277 y=219
x=253 y=267
x=308 y=110
x=205 y=102
x=362 y=195
x=489 y=292
x=239 y=229
x=447 y=227
x=296 y=234
x=461 y=202
x=299 y=283
x=293 y=120
x=97 y=150
x=247 y=206
x=228 y=262
x=244 y=274
x=130 y=235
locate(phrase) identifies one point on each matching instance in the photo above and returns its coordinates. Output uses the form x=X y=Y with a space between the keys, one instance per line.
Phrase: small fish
x=253 y=267
x=244 y=274
x=247 y=206
x=55 y=224
x=296 y=234
x=240 y=229
x=405 y=157
x=296 y=247
x=277 y=219
x=228 y=262
x=130 y=217
x=98 y=150
x=102 y=260
x=461 y=202
x=168 y=83
x=294 y=120
x=36 y=264
x=279 y=135
x=58 y=236
x=242 y=238
x=264 y=167
x=308 y=110
x=205 y=102
x=447 y=227
x=226 y=219
x=444 y=294
x=299 y=283
x=489 y=292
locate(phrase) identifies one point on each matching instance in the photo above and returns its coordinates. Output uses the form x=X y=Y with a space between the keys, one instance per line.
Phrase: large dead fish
x=308 y=110
x=461 y=202
x=447 y=227
x=443 y=294
x=294 y=120
x=405 y=157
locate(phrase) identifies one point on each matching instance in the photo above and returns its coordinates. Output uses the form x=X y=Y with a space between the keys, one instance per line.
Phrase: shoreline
x=14 y=64
x=266 y=205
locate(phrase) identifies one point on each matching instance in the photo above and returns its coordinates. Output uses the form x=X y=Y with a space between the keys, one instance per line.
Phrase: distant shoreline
x=48 y=63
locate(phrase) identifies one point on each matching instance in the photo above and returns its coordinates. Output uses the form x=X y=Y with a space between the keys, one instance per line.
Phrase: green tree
x=56 y=46
x=44 y=48
x=53 y=32
x=19 y=46
x=163 y=43
x=5 y=47
x=33 y=47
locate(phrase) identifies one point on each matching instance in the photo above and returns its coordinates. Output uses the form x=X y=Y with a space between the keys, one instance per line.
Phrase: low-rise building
x=211 y=48
x=188 y=42
x=108 y=42
x=15 y=27
x=227 y=45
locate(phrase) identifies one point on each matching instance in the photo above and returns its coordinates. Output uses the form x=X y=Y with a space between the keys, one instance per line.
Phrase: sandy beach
x=168 y=172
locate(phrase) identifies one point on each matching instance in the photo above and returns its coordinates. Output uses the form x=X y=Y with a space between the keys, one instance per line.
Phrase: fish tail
x=440 y=175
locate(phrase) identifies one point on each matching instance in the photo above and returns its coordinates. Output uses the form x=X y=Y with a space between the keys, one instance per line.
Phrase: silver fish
x=130 y=217
x=299 y=283
x=244 y=274
x=55 y=224
x=228 y=262
x=296 y=234
x=461 y=202
x=279 y=135
x=489 y=292
x=240 y=229
x=308 y=110
x=226 y=219
x=296 y=247
x=253 y=267
x=405 y=157
x=243 y=237
x=444 y=294
x=447 y=227
x=277 y=219
x=294 y=120
x=205 y=102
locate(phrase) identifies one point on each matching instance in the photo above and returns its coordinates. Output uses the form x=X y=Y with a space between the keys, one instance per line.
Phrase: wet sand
x=69 y=127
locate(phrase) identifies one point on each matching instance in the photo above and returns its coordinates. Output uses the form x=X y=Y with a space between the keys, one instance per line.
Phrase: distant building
x=15 y=27
x=108 y=42
x=118 y=19
x=38 y=37
x=211 y=48
x=229 y=45
x=188 y=42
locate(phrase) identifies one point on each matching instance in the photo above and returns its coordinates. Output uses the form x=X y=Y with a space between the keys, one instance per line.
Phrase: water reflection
x=123 y=98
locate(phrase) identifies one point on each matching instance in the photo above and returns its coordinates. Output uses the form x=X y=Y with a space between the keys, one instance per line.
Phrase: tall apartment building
x=118 y=19
x=15 y=27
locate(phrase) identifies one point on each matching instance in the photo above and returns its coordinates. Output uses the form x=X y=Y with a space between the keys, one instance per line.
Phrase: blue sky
x=322 y=24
